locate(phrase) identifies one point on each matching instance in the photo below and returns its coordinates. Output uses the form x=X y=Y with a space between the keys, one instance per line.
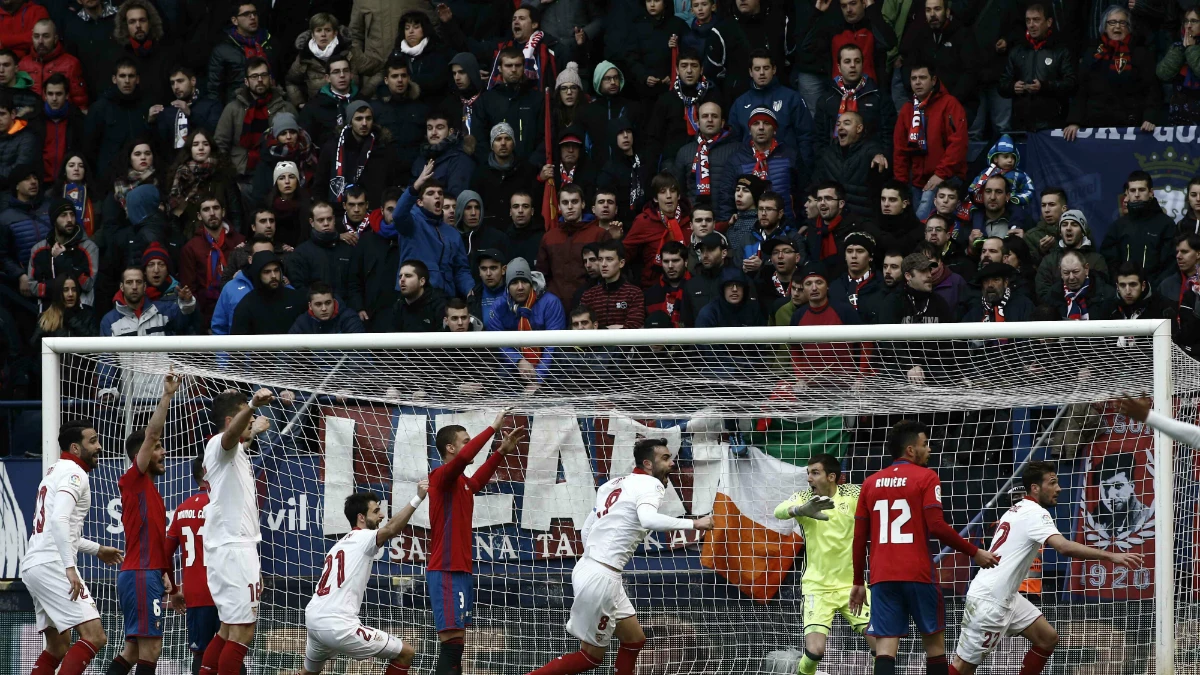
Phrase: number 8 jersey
x=1019 y=536
x=612 y=530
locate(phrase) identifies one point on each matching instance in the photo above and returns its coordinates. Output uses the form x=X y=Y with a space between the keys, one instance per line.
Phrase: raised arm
x=392 y=527
x=237 y=426
x=480 y=478
x=158 y=420
x=463 y=459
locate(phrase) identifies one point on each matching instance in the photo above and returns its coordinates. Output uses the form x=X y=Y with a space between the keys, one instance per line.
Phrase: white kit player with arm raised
x=332 y=615
x=626 y=510
x=60 y=598
x=994 y=608
x=231 y=531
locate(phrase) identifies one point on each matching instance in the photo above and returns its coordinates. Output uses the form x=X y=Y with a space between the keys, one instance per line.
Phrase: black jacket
x=521 y=106
x=266 y=311
x=596 y=116
x=344 y=321
x=1018 y=308
x=875 y=106
x=684 y=167
x=874 y=303
x=1054 y=69
x=994 y=21
x=1108 y=99
x=404 y=118
x=668 y=130
x=372 y=280
x=1101 y=299
x=771 y=29
x=700 y=289
x=205 y=113
x=227 y=67
x=647 y=53
x=955 y=55
x=851 y=166
x=113 y=120
x=324 y=115
x=377 y=174
x=1146 y=238
x=483 y=237
x=496 y=185
x=524 y=242
x=325 y=260
x=901 y=233
x=423 y=316
x=816 y=54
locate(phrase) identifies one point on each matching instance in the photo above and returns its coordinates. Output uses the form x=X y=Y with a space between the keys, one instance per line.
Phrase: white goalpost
x=742 y=409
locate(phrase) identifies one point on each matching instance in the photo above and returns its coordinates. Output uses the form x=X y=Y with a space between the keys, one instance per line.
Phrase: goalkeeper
x=826 y=513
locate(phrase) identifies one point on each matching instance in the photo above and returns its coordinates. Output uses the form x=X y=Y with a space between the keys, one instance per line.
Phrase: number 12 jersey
x=894 y=501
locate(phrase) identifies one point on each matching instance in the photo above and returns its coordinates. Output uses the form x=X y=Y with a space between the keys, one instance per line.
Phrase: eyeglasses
x=1113 y=23
x=1192 y=22
x=258 y=77
x=247 y=15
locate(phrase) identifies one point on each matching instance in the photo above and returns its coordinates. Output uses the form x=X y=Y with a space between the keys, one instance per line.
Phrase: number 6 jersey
x=343 y=583
x=613 y=530
x=1019 y=536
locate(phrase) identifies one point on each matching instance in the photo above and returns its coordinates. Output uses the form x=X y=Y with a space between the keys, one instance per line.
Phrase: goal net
x=743 y=411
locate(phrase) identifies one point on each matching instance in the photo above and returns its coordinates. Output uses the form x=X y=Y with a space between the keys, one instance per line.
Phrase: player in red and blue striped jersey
x=143 y=582
x=451 y=504
x=898 y=509
x=187 y=532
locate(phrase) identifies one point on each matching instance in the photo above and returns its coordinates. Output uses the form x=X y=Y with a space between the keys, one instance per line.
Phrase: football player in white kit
x=332 y=615
x=626 y=509
x=231 y=532
x=994 y=608
x=60 y=597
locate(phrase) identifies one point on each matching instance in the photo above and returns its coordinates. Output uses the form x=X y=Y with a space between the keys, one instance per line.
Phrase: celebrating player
x=626 y=508
x=60 y=597
x=898 y=508
x=994 y=609
x=1139 y=409
x=449 y=571
x=143 y=582
x=332 y=614
x=231 y=533
x=187 y=530
x=826 y=512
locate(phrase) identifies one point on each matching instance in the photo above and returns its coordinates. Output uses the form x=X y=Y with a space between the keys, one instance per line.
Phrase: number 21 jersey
x=894 y=501
x=1019 y=536
x=343 y=583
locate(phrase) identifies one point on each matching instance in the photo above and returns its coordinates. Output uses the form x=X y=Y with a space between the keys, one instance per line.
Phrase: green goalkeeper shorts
x=820 y=608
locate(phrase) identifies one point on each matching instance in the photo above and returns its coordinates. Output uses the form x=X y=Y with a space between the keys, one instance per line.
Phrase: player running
x=332 y=614
x=826 y=512
x=187 y=530
x=626 y=509
x=143 y=582
x=231 y=532
x=60 y=597
x=451 y=504
x=994 y=609
x=898 y=509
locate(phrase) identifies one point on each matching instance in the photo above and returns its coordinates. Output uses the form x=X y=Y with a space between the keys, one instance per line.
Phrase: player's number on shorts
x=1001 y=537
x=40 y=523
x=331 y=561
x=462 y=600
x=603 y=623
x=890 y=529
x=608 y=503
x=189 y=546
x=157 y=607
x=364 y=633
x=990 y=640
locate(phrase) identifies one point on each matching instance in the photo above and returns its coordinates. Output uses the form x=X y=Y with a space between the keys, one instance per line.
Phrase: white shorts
x=600 y=602
x=52 y=602
x=985 y=623
x=353 y=639
x=235 y=582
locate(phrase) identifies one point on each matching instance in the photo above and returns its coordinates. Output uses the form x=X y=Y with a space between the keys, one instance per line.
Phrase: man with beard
x=998 y=301
x=326 y=113
x=361 y=155
x=262 y=223
x=559 y=254
x=145 y=575
x=573 y=167
x=452 y=167
x=747 y=248
x=1136 y=299
x=1043 y=236
x=998 y=217
x=700 y=166
x=139 y=37
x=490 y=268
x=524 y=233
x=203 y=259
x=248 y=115
x=827 y=238
x=49 y=569
x=238 y=287
x=919 y=303
x=502 y=173
x=854 y=91
x=374 y=266
x=24 y=217
x=68 y=251
x=420 y=307
x=229 y=58
x=786 y=252
x=666 y=296
x=118 y=115
x=675 y=120
x=704 y=284
x=860 y=286
x=855 y=161
x=187 y=112
x=930 y=141
x=423 y=236
x=950 y=285
x=939 y=234
x=1145 y=235
x=1184 y=286
x=48 y=57
x=1074 y=235
x=892 y=274
x=324 y=257
x=608 y=105
x=271 y=307
x=515 y=100
x=1082 y=295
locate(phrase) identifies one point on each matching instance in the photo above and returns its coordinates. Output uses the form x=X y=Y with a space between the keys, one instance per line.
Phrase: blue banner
x=1093 y=168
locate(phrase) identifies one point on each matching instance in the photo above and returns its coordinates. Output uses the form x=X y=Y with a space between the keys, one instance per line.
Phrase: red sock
x=78 y=657
x=953 y=670
x=627 y=657
x=46 y=664
x=232 y=658
x=396 y=669
x=212 y=656
x=1034 y=661
x=570 y=664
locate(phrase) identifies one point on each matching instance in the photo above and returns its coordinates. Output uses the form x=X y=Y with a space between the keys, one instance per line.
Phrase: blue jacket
x=784 y=172
x=425 y=237
x=795 y=122
x=546 y=314
x=164 y=318
x=21 y=226
x=231 y=295
x=452 y=167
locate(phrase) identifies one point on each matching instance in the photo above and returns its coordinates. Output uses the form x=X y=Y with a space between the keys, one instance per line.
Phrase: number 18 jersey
x=894 y=501
x=1019 y=536
x=613 y=530
x=343 y=583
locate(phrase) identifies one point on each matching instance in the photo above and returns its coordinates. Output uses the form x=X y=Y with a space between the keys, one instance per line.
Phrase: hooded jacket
x=521 y=106
x=344 y=321
x=58 y=61
x=698 y=291
x=795 y=128
x=484 y=236
x=725 y=52
x=228 y=133
x=946 y=134
x=1052 y=65
x=546 y=314
x=628 y=177
x=26 y=223
x=1019 y=183
x=1145 y=236
x=153 y=65
x=596 y=116
x=425 y=237
x=112 y=120
x=720 y=313
x=455 y=104
x=404 y=118
x=1155 y=303
x=231 y=294
x=560 y=256
x=266 y=311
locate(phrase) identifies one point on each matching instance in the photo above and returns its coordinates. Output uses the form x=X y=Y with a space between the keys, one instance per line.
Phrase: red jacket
x=643 y=244
x=946 y=131
x=194 y=270
x=560 y=255
x=57 y=61
x=16 y=27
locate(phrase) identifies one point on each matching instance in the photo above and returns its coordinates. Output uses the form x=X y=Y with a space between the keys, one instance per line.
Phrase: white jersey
x=1019 y=536
x=343 y=583
x=63 y=499
x=613 y=530
x=232 y=513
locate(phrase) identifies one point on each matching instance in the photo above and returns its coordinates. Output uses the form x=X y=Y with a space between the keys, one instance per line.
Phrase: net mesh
x=743 y=421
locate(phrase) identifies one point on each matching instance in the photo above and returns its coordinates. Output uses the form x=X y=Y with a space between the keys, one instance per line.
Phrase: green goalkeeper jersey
x=828 y=544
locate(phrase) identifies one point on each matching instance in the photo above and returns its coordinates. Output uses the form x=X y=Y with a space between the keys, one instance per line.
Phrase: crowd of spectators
x=338 y=166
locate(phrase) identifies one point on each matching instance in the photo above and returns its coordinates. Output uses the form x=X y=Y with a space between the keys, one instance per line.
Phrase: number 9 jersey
x=612 y=531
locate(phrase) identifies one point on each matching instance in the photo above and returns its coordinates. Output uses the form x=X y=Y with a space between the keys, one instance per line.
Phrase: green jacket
x=1034 y=235
x=1172 y=62
x=895 y=12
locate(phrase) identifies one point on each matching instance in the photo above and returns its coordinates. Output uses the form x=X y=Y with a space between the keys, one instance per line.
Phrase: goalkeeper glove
x=812 y=508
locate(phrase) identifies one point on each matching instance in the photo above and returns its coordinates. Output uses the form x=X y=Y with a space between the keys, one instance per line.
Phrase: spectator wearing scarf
x=1180 y=67
x=765 y=157
x=244 y=41
x=1117 y=82
x=527 y=307
x=661 y=221
x=1084 y=295
x=701 y=166
x=168 y=287
x=626 y=173
x=998 y=303
x=930 y=139
x=203 y=259
x=675 y=121
x=246 y=119
x=854 y=91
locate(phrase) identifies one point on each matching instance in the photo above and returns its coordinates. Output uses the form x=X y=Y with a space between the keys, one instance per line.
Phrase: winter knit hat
x=756 y=185
x=354 y=106
x=764 y=115
x=284 y=121
x=502 y=128
x=59 y=206
x=598 y=75
x=569 y=75
x=518 y=268
x=285 y=167
x=155 y=251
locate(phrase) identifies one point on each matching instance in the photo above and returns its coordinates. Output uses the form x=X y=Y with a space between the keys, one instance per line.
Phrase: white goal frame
x=1158 y=330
